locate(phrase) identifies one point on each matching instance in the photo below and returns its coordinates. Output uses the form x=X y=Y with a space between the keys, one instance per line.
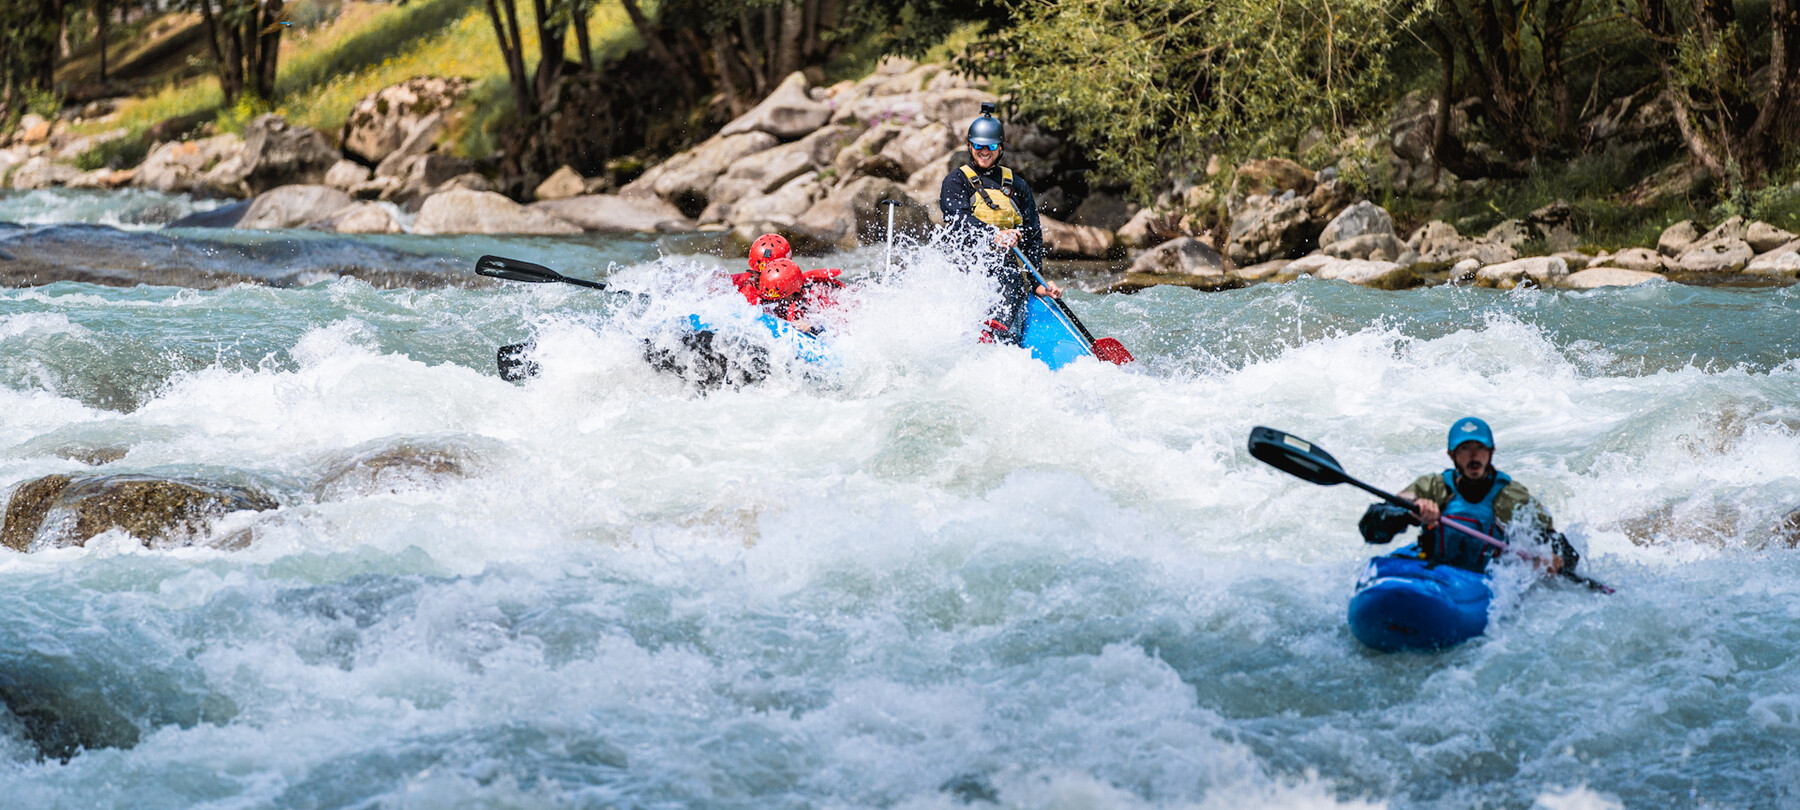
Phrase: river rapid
x=943 y=576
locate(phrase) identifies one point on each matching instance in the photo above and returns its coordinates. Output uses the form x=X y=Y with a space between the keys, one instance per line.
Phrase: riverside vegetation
x=1209 y=145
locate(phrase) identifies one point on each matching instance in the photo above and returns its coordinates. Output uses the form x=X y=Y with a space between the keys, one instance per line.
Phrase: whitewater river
x=943 y=575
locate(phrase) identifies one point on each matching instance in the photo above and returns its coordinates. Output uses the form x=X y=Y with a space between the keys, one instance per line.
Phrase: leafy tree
x=1738 y=115
x=1152 y=85
x=244 y=38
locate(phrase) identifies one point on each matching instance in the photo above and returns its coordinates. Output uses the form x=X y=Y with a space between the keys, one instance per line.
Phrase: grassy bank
x=368 y=46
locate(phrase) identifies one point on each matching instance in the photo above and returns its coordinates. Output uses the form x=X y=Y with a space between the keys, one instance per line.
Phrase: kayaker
x=1473 y=492
x=795 y=295
x=988 y=201
x=766 y=248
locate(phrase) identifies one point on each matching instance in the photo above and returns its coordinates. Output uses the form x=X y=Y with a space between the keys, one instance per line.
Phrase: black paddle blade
x=1296 y=457
x=515 y=270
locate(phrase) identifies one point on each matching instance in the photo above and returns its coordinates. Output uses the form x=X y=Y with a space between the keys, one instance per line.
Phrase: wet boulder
x=1065 y=241
x=179 y=166
x=1264 y=228
x=346 y=174
x=1676 y=238
x=1183 y=262
x=610 y=213
x=1708 y=259
x=1596 y=277
x=1361 y=272
x=293 y=206
x=380 y=122
x=686 y=179
x=788 y=113
x=853 y=214
x=562 y=184
x=362 y=217
x=57 y=511
x=1438 y=242
x=388 y=468
x=1643 y=260
x=1149 y=228
x=1542 y=271
x=1764 y=237
x=465 y=211
x=276 y=153
x=40 y=172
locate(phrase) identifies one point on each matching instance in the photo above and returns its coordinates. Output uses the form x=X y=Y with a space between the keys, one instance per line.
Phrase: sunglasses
x=992 y=147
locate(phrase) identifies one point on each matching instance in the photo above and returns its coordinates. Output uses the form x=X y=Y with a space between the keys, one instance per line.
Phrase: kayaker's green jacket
x=1506 y=504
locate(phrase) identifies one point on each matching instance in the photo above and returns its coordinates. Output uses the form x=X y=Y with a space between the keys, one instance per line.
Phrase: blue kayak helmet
x=1469 y=429
x=986 y=130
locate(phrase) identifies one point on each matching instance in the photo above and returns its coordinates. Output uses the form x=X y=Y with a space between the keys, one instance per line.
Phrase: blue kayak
x=1405 y=603
x=1050 y=335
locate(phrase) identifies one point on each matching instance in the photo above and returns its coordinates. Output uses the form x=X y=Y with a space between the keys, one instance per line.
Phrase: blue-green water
x=945 y=574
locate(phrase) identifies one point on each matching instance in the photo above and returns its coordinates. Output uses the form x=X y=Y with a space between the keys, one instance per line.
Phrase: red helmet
x=780 y=278
x=766 y=248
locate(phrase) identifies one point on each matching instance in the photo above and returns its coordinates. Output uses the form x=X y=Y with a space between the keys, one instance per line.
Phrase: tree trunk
x=551 y=39
x=721 y=54
x=753 y=55
x=771 y=24
x=100 y=18
x=1440 y=126
x=809 y=40
x=582 y=10
x=268 y=48
x=793 y=26
x=506 y=31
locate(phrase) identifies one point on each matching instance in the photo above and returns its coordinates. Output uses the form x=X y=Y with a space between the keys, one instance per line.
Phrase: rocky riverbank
x=814 y=164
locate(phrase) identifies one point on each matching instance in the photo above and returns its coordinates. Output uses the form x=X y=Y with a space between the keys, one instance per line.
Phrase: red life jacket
x=746 y=285
x=815 y=295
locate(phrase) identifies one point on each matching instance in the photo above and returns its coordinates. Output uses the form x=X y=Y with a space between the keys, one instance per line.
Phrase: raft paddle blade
x=516 y=270
x=1112 y=351
x=1295 y=456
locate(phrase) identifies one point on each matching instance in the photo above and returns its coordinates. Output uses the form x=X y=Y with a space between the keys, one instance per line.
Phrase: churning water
x=943 y=576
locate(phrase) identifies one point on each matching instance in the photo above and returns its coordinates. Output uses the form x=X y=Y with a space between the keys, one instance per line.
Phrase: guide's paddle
x=1108 y=349
x=517 y=270
x=1301 y=459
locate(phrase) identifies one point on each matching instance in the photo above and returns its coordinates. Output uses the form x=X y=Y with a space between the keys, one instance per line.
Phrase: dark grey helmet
x=986 y=131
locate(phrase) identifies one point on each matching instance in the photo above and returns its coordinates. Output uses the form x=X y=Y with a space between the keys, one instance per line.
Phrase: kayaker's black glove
x=1384 y=520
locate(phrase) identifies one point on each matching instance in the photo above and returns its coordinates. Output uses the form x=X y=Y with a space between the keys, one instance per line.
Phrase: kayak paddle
x=1108 y=349
x=511 y=358
x=516 y=270
x=1304 y=460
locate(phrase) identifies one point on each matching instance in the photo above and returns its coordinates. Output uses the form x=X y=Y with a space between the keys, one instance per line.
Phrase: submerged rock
x=392 y=468
x=293 y=206
x=59 y=510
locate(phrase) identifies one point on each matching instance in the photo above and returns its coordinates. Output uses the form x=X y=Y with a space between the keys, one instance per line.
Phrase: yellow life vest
x=994 y=209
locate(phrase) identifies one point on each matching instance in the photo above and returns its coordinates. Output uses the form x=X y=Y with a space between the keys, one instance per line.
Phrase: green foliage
x=1153 y=86
x=238 y=115
x=43 y=101
x=118 y=153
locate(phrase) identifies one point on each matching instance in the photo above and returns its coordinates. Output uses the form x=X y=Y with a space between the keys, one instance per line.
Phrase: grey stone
x=1764 y=237
x=1383 y=247
x=609 y=213
x=1643 y=260
x=465 y=211
x=787 y=113
x=40 y=172
x=1543 y=271
x=562 y=184
x=1361 y=219
x=1064 y=240
x=1677 y=238
x=1363 y=273
x=1263 y=229
x=293 y=206
x=346 y=174
x=362 y=217
x=1595 y=277
x=381 y=121
x=1714 y=256
x=1102 y=210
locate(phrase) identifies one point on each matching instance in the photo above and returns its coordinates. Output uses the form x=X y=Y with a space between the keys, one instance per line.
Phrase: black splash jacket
x=954 y=200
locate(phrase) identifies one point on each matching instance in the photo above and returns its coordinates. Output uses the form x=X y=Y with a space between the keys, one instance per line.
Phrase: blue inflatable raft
x=1405 y=603
x=1051 y=337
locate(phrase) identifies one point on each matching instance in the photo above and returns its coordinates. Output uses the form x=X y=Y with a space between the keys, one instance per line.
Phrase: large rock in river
x=464 y=211
x=610 y=213
x=59 y=510
x=178 y=166
x=293 y=206
x=1184 y=262
x=787 y=113
x=1361 y=272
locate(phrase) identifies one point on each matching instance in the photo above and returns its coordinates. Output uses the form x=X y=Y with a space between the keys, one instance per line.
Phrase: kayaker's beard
x=1475 y=469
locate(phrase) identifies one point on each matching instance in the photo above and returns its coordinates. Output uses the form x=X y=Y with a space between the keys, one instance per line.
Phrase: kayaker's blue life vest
x=1452 y=547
